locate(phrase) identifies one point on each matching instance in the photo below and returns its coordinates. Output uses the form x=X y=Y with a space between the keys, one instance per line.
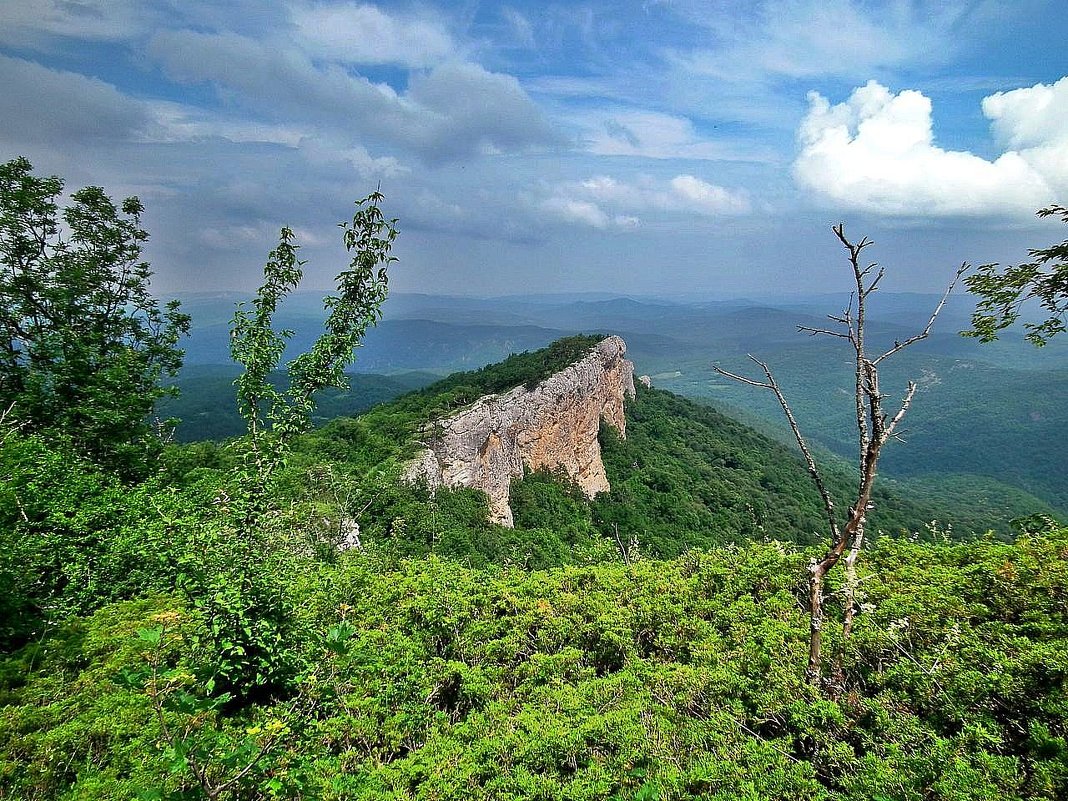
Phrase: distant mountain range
x=987 y=421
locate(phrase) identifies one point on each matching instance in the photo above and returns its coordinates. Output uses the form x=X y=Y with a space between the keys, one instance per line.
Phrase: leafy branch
x=1003 y=294
x=274 y=417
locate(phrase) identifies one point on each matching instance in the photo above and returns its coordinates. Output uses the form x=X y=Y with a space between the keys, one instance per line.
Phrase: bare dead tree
x=8 y=427
x=875 y=427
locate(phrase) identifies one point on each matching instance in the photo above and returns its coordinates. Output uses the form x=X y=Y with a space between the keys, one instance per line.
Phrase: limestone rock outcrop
x=553 y=426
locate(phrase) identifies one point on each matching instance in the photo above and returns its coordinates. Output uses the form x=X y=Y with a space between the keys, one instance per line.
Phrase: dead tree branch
x=813 y=468
x=899 y=346
x=875 y=427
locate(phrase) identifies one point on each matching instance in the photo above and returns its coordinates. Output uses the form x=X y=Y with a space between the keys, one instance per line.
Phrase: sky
x=685 y=148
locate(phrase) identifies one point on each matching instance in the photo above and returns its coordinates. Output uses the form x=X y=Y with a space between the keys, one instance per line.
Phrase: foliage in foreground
x=667 y=680
x=83 y=345
x=1002 y=295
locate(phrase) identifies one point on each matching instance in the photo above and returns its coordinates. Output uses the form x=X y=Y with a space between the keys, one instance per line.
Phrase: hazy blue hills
x=207 y=405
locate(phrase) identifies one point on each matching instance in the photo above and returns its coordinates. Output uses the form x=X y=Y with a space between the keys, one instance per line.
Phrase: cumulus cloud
x=579 y=211
x=685 y=193
x=1034 y=122
x=358 y=33
x=705 y=198
x=602 y=201
x=876 y=152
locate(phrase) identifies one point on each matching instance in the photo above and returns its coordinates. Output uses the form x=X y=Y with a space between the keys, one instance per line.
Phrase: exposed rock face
x=553 y=426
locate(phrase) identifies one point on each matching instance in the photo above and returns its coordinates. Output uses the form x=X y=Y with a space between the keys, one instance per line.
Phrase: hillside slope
x=685 y=477
x=986 y=419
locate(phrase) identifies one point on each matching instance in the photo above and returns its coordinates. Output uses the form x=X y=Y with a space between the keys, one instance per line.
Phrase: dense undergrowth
x=658 y=679
x=648 y=645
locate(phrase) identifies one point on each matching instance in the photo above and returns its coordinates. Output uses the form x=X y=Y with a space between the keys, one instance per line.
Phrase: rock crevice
x=553 y=426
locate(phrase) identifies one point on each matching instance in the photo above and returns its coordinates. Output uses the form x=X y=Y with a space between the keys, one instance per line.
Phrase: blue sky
x=673 y=147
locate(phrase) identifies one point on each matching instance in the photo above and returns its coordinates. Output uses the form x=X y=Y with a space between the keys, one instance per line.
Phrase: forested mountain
x=984 y=428
x=686 y=476
x=206 y=409
x=647 y=644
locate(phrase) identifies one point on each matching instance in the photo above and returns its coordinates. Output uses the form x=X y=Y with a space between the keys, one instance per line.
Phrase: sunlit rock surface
x=553 y=426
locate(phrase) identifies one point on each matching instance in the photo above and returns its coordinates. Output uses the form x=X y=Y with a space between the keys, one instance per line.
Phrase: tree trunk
x=850 y=588
x=816 y=572
x=849 y=601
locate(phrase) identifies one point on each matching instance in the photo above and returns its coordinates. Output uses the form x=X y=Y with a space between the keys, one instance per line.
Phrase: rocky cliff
x=552 y=426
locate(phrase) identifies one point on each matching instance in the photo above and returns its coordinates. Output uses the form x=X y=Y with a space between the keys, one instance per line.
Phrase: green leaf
x=152 y=636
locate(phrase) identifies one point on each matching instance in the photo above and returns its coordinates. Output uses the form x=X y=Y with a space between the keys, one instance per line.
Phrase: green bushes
x=659 y=679
x=72 y=537
x=66 y=725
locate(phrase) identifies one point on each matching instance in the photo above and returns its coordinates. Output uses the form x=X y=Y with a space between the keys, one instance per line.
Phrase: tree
x=274 y=416
x=243 y=595
x=83 y=345
x=1003 y=294
x=875 y=427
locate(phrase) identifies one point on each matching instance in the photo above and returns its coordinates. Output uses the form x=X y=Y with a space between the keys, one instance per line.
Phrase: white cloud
x=579 y=211
x=254 y=236
x=34 y=21
x=607 y=189
x=683 y=193
x=466 y=109
x=602 y=200
x=452 y=112
x=358 y=33
x=237 y=237
x=706 y=198
x=175 y=122
x=809 y=38
x=1034 y=122
x=521 y=30
x=655 y=135
x=1027 y=117
x=39 y=104
x=876 y=152
x=332 y=153
x=747 y=65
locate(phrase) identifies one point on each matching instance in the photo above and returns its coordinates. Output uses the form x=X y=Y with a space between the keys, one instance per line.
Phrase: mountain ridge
x=552 y=426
